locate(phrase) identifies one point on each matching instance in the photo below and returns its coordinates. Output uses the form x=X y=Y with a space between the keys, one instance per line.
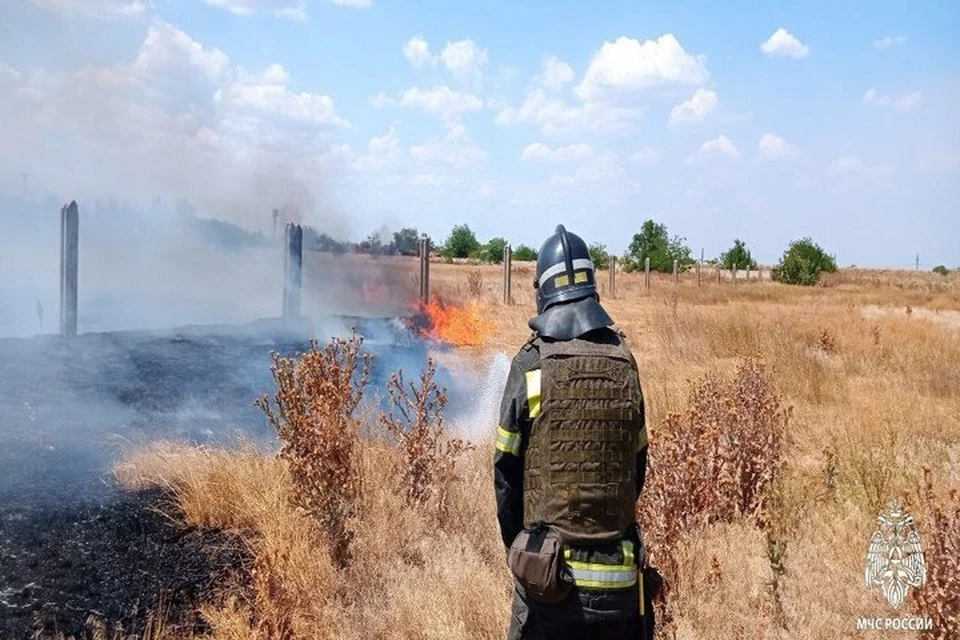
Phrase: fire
x=465 y=326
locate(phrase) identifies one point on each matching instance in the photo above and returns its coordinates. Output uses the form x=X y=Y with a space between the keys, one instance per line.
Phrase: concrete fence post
x=292 y=270
x=613 y=277
x=507 y=275
x=733 y=273
x=699 y=266
x=69 y=267
x=424 y=270
x=719 y=268
x=676 y=272
x=646 y=273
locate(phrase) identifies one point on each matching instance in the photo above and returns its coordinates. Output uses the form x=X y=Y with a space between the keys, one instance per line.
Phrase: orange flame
x=465 y=326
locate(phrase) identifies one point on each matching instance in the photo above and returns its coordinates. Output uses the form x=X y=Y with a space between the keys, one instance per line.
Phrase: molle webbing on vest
x=579 y=465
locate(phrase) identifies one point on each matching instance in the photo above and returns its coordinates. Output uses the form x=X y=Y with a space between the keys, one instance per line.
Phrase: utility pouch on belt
x=536 y=560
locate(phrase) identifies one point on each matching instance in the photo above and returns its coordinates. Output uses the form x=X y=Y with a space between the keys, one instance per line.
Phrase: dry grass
x=875 y=400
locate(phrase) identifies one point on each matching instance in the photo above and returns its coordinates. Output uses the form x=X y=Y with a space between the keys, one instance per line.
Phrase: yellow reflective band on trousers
x=533 y=392
x=508 y=441
x=593 y=575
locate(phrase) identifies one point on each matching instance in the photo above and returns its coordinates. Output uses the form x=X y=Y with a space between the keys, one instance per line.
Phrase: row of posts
x=293 y=270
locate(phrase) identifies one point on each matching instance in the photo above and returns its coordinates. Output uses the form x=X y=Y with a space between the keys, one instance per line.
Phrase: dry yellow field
x=868 y=363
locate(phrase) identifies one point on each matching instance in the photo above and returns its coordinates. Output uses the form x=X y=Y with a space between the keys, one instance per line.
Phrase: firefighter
x=570 y=461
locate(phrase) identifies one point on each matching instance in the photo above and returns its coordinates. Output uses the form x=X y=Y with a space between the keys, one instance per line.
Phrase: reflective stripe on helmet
x=579 y=263
x=508 y=441
x=533 y=392
x=593 y=575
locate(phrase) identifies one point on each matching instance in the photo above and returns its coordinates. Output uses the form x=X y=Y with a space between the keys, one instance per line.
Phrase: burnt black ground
x=71 y=545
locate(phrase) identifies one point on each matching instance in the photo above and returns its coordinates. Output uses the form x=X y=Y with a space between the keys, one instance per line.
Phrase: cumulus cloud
x=268 y=93
x=539 y=152
x=627 y=65
x=784 y=43
x=463 y=58
x=456 y=149
x=843 y=165
x=773 y=147
x=903 y=103
x=382 y=151
x=719 y=147
x=702 y=104
x=294 y=9
x=442 y=102
x=554 y=115
x=9 y=73
x=93 y=8
x=556 y=73
x=889 y=42
x=645 y=157
x=417 y=52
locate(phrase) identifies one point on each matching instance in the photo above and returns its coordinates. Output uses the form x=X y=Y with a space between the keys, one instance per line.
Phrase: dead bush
x=427 y=456
x=475 y=283
x=714 y=462
x=317 y=394
x=939 y=598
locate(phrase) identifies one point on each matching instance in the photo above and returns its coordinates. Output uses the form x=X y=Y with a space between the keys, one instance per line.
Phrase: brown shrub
x=939 y=599
x=714 y=462
x=317 y=395
x=427 y=457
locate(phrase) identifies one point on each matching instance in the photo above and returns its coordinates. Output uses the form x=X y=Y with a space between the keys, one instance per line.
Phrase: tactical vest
x=580 y=465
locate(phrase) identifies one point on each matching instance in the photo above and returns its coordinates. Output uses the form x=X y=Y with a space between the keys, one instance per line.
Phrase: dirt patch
x=944 y=317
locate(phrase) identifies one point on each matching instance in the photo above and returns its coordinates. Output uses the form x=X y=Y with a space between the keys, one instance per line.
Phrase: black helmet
x=564 y=270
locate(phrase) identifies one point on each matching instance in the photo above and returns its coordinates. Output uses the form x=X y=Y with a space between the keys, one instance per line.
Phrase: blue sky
x=764 y=121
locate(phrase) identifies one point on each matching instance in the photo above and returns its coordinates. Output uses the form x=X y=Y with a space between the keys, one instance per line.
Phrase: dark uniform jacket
x=512 y=435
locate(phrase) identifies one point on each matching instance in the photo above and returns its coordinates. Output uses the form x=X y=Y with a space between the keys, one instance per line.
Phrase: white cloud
x=889 y=42
x=597 y=169
x=8 y=72
x=556 y=73
x=442 y=102
x=844 y=164
x=381 y=151
x=645 y=157
x=539 y=152
x=169 y=51
x=381 y=101
x=456 y=148
x=773 y=147
x=903 y=103
x=553 y=115
x=463 y=58
x=784 y=43
x=721 y=146
x=630 y=65
x=293 y=9
x=417 y=52
x=268 y=93
x=93 y=8
x=354 y=4
x=702 y=104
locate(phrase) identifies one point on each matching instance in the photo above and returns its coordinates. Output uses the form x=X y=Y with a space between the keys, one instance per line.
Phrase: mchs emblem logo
x=895 y=559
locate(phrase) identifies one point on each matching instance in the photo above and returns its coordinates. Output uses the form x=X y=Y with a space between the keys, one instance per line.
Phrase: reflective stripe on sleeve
x=593 y=575
x=533 y=392
x=643 y=440
x=508 y=441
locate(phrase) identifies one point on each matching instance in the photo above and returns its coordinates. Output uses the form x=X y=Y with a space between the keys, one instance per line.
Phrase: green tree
x=407 y=241
x=802 y=263
x=523 y=253
x=738 y=256
x=942 y=270
x=493 y=250
x=653 y=242
x=599 y=255
x=461 y=243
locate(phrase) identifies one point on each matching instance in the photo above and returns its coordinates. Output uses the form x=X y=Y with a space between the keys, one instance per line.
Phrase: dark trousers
x=526 y=625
